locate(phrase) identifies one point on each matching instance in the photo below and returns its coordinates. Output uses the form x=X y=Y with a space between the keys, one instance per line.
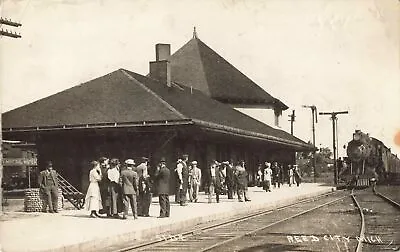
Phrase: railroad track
x=389 y=200
x=380 y=217
x=214 y=237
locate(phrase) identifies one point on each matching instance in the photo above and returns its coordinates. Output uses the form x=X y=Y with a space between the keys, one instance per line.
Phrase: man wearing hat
x=103 y=185
x=297 y=175
x=276 y=174
x=234 y=185
x=182 y=175
x=222 y=178
x=178 y=179
x=229 y=179
x=162 y=175
x=267 y=177
x=214 y=181
x=48 y=184
x=141 y=169
x=114 y=186
x=144 y=199
x=290 y=175
x=185 y=178
x=195 y=180
x=129 y=182
x=241 y=176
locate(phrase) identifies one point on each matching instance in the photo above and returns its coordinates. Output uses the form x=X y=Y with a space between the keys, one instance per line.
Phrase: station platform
x=73 y=230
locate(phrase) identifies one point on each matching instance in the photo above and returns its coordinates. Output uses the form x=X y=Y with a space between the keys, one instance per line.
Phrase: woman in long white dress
x=93 y=197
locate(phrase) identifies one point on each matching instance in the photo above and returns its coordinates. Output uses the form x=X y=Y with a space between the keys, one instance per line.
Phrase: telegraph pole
x=291 y=120
x=1 y=165
x=10 y=34
x=314 y=115
x=334 y=126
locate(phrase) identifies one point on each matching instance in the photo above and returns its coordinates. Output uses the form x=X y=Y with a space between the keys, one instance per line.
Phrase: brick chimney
x=161 y=69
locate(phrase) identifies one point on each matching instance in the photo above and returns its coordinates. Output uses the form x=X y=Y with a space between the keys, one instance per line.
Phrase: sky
x=339 y=55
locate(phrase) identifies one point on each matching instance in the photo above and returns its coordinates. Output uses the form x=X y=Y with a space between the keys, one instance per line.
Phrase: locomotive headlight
x=356 y=137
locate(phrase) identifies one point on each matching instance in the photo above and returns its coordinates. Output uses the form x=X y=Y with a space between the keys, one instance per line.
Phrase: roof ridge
x=169 y=106
x=232 y=66
x=199 y=57
x=202 y=63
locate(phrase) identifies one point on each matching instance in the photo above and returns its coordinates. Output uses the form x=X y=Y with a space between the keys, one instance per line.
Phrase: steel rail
x=389 y=200
x=271 y=224
x=222 y=224
x=362 y=229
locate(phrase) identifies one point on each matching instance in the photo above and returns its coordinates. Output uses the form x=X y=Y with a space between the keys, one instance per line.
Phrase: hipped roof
x=197 y=65
x=127 y=98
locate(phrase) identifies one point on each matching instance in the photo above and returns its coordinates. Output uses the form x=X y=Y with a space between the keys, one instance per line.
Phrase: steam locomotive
x=368 y=158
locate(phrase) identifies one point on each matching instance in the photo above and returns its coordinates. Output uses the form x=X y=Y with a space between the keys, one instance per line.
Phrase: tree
x=326 y=152
x=322 y=157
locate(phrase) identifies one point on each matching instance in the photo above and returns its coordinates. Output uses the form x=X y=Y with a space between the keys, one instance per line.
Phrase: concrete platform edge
x=101 y=244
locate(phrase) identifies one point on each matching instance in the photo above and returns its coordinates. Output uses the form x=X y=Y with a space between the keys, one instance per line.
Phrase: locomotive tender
x=369 y=158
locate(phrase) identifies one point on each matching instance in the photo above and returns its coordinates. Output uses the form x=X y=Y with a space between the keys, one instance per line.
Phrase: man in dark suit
x=229 y=179
x=185 y=179
x=48 y=184
x=241 y=177
x=297 y=175
x=162 y=177
x=214 y=181
x=129 y=181
x=144 y=198
x=275 y=174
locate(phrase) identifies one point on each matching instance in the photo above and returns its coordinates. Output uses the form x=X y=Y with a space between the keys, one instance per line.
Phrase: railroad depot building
x=184 y=105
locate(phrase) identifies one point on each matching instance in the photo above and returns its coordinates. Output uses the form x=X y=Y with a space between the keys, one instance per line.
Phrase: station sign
x=20 y=161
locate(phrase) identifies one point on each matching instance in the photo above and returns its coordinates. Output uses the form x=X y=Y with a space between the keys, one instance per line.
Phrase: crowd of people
x=275 y=175
x=115 y=188
x=220 y=178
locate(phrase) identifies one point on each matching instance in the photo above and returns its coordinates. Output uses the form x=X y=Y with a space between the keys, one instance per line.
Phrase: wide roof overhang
x=141 y=125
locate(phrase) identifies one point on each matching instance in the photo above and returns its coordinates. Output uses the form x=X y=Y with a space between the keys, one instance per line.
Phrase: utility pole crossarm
x=333 y=113
x=9 y=22
x=7 y=33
